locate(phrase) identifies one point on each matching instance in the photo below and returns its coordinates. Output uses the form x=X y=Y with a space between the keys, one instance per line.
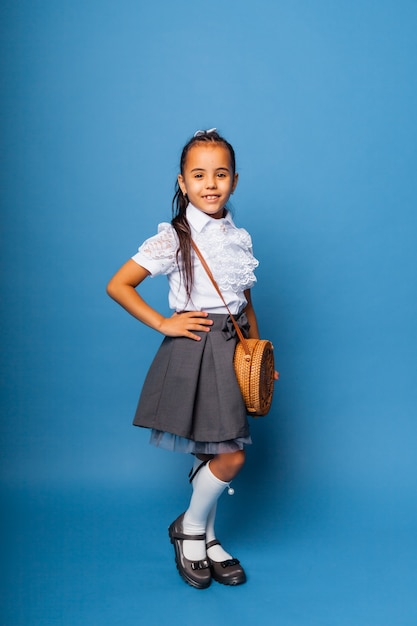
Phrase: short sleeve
x=158 y=253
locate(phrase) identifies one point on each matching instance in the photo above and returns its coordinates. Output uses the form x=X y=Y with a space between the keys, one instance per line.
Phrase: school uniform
x=190 y=398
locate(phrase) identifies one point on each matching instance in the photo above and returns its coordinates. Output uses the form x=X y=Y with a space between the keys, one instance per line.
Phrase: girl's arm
x=122 y=288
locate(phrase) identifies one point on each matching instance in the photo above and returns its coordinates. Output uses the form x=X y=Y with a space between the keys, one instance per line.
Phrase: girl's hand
x=182 y=324
x=276 y=375
x=122 y=288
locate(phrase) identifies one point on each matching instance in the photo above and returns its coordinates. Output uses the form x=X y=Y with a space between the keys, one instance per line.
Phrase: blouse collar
x=198 y=219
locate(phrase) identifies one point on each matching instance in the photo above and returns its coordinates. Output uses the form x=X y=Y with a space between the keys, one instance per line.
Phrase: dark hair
x=180 y=202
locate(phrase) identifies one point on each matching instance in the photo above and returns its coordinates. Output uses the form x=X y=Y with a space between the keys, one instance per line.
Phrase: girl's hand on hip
x=182 y=324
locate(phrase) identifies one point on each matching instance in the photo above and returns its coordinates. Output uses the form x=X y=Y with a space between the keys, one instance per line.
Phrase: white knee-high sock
x=207 y=489
x=216 y=553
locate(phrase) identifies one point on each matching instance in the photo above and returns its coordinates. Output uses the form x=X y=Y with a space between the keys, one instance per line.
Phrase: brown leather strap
x=216 y=286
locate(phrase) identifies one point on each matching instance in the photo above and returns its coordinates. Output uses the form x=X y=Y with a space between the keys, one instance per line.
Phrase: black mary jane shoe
x=195 y=573
x=229 y=572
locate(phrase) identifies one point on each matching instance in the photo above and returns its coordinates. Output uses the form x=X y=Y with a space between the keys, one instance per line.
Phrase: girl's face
x=208 y=178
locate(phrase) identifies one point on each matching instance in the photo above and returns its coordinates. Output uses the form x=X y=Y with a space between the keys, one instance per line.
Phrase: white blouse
x=227 y=250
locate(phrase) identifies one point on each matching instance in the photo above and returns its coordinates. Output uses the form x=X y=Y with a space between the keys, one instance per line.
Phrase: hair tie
x=198 y=133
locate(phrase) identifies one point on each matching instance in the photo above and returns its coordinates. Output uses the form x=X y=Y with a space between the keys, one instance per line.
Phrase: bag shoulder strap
x=217 y=288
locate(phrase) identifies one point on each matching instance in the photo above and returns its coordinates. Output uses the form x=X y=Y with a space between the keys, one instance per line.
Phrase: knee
x=227 y=466
x=237 y=461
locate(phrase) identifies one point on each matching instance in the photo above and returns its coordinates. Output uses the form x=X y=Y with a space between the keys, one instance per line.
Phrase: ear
x=235 y=180
x=182 y=184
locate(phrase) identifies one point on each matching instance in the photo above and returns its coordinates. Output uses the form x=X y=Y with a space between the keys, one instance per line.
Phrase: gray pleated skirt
x=190 y=398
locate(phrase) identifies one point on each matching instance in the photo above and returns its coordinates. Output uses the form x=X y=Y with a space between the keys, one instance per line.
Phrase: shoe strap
x=192 y=474
x=180 y=535
x=214 y=542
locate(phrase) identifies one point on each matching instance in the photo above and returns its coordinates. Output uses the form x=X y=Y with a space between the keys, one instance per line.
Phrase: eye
x=198 y=175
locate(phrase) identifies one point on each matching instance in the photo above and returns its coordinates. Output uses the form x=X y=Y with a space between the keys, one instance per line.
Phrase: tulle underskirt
x=175 y=443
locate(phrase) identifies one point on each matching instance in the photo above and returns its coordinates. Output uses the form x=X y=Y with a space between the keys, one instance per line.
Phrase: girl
x=190 y=399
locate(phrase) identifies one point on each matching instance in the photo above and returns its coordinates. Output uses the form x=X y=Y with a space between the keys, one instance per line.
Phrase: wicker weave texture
x=255 y=375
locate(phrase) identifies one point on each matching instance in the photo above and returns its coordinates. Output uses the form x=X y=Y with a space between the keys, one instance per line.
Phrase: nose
x=211 y=182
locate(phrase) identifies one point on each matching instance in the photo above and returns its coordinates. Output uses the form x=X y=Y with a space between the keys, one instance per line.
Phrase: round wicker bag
x=254 y=367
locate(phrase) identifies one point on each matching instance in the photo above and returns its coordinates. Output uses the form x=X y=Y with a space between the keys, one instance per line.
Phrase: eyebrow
x=201 y=169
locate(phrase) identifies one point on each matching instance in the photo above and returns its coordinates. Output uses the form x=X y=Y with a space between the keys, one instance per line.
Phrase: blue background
x=319 y=100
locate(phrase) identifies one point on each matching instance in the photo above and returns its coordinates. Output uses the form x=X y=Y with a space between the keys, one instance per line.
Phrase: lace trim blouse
x=227 y=250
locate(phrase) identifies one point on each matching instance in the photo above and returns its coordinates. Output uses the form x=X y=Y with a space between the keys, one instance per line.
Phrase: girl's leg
x=207 y=488
x=224 y=568
x=227 y=465
x=191 y=554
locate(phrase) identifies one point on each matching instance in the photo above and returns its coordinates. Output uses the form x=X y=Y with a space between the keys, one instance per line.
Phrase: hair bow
x=204 y=132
